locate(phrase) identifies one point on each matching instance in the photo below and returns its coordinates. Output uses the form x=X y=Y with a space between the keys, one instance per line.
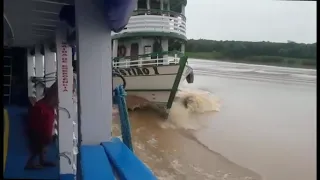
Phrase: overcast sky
x=252 y=20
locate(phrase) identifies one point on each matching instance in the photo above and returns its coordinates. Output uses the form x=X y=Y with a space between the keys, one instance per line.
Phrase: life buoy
x=122 y=50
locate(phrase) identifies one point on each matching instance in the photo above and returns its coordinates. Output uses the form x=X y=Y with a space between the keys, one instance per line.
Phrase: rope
x=120 y=94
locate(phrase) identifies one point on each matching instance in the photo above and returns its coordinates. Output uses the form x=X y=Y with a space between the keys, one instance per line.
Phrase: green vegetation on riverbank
x=289 y=54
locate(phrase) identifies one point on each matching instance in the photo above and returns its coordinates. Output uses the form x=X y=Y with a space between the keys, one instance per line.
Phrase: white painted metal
x=95 y=72
x=165 y=47
x=125 y=63
x=75 y=122
x=183 y=9
x=115 y=48
x=49 y=64
x=31 y=73
x=148 y=4
x=154 y=88
x=65 y=86
x=39 y=71
x=161 y=4
x=164 y=80
x=183 y=47
x=154 y=23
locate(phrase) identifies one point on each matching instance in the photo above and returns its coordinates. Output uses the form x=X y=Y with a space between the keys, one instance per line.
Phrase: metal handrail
x=115 y=74
x=158 y=12
x=154 y=54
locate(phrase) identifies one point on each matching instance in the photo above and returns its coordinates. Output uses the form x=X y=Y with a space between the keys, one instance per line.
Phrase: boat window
x=142 y=4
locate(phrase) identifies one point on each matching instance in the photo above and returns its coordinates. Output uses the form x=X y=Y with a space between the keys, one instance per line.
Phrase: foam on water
x=235 y=69
x=307 y=76
x=187 y=111
x=188 y=107
x=269 y=72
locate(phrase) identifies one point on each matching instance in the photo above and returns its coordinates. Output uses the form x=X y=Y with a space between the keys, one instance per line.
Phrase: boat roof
x=32 y=21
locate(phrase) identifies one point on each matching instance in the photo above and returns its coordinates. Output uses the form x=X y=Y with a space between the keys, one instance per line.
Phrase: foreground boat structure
x=38 y=41
x=149 y=51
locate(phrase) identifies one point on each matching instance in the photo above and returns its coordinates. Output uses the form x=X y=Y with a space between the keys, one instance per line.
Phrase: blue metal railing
x=120 y=100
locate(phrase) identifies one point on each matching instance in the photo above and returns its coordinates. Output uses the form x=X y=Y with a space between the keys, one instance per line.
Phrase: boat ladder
x=7 y=75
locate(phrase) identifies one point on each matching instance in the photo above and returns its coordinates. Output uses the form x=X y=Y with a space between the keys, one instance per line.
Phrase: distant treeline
x=284 y=54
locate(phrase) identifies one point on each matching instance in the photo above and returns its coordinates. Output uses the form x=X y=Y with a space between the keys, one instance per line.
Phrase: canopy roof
x=33 y=21
x=30 y=22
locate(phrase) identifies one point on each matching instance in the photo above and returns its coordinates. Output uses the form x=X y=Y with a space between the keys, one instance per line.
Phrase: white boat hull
x=153 y=83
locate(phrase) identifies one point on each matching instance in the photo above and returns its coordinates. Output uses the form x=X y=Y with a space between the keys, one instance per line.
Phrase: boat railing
x=152 y=59
x=156 y=21
x=158 y=12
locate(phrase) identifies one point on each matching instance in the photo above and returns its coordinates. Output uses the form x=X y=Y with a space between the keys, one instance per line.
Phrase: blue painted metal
x=66 y=176
x=124 y=117
x=95 y=163
x=118 y=13
x=18 y=151
x=126 y=164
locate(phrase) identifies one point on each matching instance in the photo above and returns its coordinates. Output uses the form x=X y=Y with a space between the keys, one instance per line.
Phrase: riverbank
x=259 y=60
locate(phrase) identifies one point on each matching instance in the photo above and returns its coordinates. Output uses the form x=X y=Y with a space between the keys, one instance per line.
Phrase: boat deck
x=105 y=161
x=15 y=143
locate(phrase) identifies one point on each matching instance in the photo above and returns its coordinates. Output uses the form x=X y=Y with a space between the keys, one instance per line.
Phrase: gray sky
x=252 y=20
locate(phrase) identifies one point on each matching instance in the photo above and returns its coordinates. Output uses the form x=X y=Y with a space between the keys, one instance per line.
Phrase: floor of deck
x=17 y=151
x=98 y=161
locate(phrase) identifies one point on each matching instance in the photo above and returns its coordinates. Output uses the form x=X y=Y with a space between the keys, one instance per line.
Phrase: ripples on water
x=170 y=148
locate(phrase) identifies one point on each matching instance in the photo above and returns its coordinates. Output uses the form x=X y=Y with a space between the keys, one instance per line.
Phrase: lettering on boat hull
x=138 y=71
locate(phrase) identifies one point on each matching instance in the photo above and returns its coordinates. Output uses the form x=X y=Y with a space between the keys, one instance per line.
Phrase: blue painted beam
x=95 y=164
x=125 y=162
x=67 y=177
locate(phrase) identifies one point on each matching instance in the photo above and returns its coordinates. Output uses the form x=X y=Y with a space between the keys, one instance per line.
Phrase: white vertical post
x=75 y=123
x=115 y=48
x=148 y=4
x=65 y=88
x=165 y=47
x=95 y=72
x=75 y=106
x=183 y=46
x=141 y=46
x=115 y=52
x=31 y=73
x=136 y=8
x=39 y=70
x=183 y=9
x=49 y=64
x=161 y=5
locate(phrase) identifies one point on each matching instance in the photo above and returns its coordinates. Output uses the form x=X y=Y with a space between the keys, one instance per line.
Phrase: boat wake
x=188 y=112
x=191 y=109
x=167 y=145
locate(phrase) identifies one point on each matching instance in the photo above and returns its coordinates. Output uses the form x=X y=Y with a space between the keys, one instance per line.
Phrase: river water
x=242 y=122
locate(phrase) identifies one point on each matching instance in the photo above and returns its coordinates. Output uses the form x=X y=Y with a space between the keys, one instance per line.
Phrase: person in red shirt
x=40 y=126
